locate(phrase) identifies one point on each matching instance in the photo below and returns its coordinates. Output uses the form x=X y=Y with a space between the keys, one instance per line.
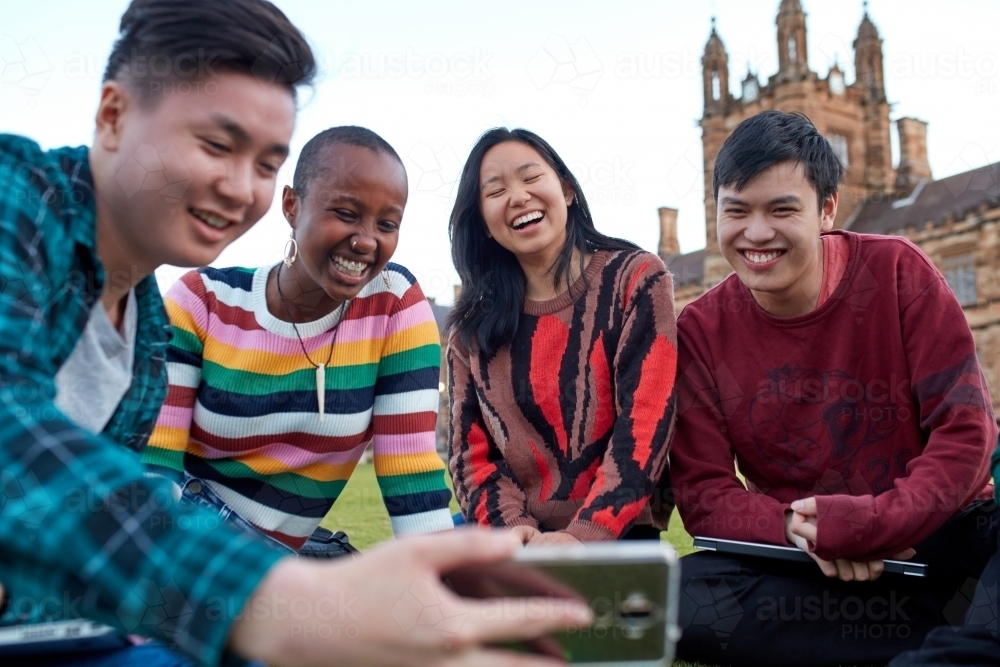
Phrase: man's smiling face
x=190 y=172
x=769 y=233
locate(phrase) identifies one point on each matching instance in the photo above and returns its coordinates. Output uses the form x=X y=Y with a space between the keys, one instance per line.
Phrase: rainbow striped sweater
x=242 y=413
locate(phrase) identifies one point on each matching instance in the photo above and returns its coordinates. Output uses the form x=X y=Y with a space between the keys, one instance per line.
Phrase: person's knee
x=945 y=646
x=710 y=607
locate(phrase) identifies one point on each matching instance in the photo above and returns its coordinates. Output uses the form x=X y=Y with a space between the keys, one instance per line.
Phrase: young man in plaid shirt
x=196 y=113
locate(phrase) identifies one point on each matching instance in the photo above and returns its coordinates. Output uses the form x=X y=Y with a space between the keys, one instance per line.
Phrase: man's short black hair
x=166 y=44
x=770 y=137
x=310 y=164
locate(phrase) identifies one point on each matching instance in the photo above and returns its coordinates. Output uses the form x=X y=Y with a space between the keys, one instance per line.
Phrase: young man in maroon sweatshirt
x=838 y=372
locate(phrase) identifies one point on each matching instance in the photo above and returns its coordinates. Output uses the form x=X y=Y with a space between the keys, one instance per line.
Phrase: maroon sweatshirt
x=875 y=403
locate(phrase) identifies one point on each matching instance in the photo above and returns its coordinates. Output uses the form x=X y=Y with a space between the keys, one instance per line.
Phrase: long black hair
x=489 y=304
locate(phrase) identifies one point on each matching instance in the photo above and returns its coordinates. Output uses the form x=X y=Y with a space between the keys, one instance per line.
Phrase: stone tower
x=793 y=64
x=853 y=117
x=954 y=220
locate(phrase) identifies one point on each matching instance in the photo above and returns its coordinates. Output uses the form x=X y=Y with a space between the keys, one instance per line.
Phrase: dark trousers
x=975 y=641
x=742 y=610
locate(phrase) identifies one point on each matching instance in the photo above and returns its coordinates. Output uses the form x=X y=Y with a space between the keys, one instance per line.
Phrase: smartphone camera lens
x=636 y=614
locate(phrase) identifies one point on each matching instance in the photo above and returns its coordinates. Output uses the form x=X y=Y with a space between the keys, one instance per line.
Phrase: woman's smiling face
x=347 y=223
x=522 y=200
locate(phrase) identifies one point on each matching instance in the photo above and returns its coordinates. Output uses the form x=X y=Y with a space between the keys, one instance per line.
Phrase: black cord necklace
x=320 y=368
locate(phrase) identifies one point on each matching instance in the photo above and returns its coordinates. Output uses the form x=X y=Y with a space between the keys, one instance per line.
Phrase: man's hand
x=553 y=538
x=367 y=611
x=801 y=529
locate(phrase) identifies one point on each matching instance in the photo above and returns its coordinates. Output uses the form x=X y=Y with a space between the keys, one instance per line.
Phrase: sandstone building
x=955 y=220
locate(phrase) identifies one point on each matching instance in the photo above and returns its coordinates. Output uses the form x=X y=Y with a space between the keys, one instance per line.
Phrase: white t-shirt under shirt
x=95 y=377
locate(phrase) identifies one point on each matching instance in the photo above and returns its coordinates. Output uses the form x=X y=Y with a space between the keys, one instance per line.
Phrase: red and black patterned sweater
x=567 y=427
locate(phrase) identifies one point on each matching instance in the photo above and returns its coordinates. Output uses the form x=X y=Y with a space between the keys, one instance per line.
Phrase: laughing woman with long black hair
x=561 y=358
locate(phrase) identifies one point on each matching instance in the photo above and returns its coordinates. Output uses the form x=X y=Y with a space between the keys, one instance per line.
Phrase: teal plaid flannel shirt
x=84 y=531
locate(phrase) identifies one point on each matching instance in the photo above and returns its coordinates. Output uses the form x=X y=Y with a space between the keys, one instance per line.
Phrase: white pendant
x=321 y=388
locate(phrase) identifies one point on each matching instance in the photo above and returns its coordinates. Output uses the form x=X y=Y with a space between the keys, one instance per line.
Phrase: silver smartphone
x=631 y=588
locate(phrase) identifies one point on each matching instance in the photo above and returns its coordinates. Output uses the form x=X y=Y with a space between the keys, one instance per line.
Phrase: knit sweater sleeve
x=485 y=486
x=955 y=411
x=187 y=306
x=644 y=370
x=409 y=470
x=711 y=499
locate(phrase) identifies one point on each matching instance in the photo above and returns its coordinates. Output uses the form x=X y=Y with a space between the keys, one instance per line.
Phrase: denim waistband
x=197 y=492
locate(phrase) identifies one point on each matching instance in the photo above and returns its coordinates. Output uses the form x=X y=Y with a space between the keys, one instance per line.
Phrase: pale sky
x=616 y=88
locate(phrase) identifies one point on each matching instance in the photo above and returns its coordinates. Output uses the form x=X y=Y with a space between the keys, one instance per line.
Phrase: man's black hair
x=310 y=164
x=764 y=140
x=179 y=43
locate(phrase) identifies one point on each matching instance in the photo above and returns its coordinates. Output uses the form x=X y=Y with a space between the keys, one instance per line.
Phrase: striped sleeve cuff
x=423 y=522
x=587 y=531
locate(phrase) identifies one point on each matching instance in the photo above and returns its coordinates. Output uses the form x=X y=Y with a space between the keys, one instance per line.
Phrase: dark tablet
x=794 y=554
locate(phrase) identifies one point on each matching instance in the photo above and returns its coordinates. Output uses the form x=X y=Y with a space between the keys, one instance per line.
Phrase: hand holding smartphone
x=631 y=588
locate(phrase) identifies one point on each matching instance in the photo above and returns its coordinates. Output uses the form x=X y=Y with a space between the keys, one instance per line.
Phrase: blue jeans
x=145 y=655
x=196 y=492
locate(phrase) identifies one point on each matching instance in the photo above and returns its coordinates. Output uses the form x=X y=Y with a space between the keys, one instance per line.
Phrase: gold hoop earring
x=289 y=258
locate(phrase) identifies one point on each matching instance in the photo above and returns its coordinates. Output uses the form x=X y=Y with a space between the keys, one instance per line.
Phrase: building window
x=716 y=86
x=836 y=82
x=960 y=272
x=839 y=144
x=792 y=50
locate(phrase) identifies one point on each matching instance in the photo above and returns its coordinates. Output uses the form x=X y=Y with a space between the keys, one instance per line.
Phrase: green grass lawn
x=361 y=514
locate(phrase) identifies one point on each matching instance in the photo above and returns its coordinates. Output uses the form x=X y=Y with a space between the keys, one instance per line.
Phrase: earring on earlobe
x=293 y=245
x=386 y=278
